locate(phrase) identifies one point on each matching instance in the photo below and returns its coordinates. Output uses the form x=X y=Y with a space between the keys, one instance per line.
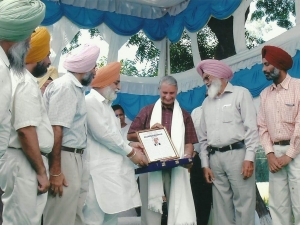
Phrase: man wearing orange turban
x=31 y=139
x=37 y=59
x=228 y=139
x=112 y=185
x=279 y=128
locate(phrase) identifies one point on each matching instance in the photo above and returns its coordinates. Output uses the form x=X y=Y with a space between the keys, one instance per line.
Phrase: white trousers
x=67 y=210
x=233 y=197
x=284 y=188
x=93 y=214
x=21 y=202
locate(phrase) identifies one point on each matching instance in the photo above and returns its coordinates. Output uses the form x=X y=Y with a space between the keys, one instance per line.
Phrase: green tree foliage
x=73 y=44
x=275 y=10
x=146 y=53
x=181 y=58
x=252 y=40
x=261 y=166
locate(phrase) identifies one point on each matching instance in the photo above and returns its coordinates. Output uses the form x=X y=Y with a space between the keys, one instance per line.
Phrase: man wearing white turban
x=64 y=100
x=228 y=138
x=18 y=19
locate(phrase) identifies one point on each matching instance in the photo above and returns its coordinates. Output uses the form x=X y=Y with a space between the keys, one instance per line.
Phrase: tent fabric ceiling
x=150 y=9
x=193 y=18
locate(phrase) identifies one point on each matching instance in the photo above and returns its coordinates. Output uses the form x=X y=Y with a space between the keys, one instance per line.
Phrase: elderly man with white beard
x=18 y=19
x=228 y=142
x=14 y=45
x=112 y=185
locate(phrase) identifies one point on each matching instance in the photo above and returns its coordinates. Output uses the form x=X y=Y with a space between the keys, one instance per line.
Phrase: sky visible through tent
x=260 y=28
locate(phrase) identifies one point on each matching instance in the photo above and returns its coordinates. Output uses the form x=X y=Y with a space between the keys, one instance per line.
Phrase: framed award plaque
x=158 y=145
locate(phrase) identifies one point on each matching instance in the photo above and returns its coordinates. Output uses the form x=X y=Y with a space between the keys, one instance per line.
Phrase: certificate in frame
x=158 y=145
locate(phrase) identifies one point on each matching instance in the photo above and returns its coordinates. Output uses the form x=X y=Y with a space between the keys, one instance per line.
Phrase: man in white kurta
x=112 y=185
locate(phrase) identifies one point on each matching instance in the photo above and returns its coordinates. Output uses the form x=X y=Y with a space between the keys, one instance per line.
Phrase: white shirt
x=64 y=100
x=111 y=171
x=29 y=110
x=5 y=102
x=227 y=119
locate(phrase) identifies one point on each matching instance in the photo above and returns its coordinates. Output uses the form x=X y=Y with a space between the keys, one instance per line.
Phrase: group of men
x=229 y=134
x=71 y=146
x=45 y=129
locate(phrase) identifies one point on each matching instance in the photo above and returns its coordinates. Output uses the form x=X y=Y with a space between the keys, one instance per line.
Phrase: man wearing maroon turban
x=279 y=129
x=228 y=139
x=65 y=105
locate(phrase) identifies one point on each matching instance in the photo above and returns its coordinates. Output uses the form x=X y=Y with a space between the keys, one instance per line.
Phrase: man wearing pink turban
x=279 y=130
x=228 y=143
x=65 y=104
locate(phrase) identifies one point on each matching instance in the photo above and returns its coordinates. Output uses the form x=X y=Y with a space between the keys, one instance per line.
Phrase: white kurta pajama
x=112 y=185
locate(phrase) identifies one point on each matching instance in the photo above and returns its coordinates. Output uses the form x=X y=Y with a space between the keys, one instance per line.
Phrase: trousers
x=284 y=188
x=67 y=210
x=21 y=202
x=233 y=197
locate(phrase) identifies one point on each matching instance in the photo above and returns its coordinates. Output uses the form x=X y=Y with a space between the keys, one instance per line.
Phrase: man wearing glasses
x=228 y=143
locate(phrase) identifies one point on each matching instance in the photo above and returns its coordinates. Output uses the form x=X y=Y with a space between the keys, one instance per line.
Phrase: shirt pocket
x=227 y=114
x=288 y=113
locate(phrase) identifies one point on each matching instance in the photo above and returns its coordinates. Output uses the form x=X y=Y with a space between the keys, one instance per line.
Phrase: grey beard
x=274 y=75
x=109 y=94
x=214 y=88
x=16 y=56
x=87 y=79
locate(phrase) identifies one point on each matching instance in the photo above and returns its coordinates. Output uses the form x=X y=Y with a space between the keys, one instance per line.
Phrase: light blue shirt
x=227 y=119
x=65 y=104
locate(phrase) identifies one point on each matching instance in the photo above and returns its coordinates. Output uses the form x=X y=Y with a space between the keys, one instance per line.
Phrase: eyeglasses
x=206 y=79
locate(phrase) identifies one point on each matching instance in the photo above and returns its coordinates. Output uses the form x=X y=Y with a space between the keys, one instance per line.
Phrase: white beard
x=109 y=93
x=214 y=88
x=16 y=56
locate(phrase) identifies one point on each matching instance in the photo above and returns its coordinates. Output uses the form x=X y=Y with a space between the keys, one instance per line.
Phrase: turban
x=215 y=68
x=39 y=45
x=19 y=18
x=106 y=75
x=277 y=57
x=51 y=72
x=82 y=60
